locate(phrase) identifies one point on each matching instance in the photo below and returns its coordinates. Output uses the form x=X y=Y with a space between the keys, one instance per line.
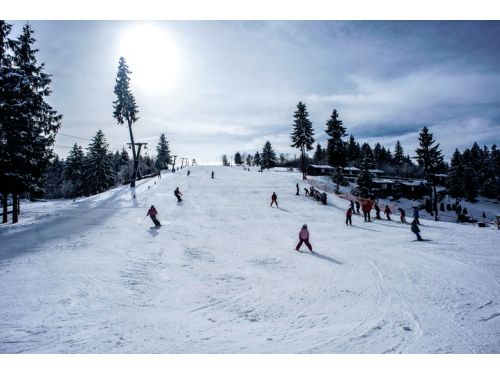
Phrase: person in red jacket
x=274 y=198
x=348 y=217
x=152 y=213
x=304 y=238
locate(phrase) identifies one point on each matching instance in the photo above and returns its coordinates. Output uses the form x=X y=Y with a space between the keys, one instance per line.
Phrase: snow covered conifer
x=163 y=156
x=73 y=173
x=430 y=159
x=336 y=148
x=257 y=159
x=268 y=156
x=365 y=180
x=125 y=108
x=302 y=135
x=237 y=158
x=98 y=172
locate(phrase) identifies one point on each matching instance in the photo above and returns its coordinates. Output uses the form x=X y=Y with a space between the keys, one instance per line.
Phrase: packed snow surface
x=222 y=276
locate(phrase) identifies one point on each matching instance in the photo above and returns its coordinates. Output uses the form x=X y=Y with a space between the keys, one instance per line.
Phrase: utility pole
x=136 y=161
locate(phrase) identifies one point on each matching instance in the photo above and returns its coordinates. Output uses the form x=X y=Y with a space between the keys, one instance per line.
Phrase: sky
x=217 y=87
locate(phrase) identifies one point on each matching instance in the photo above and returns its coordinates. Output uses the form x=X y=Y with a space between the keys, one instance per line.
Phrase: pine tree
x=225 y=162
x=73 y=173
x=98 y=170
x=268 y=156
x=163 y=157
x=257 y=159
x=398 y=156
x=125 y=108
x=336 y=149
x=237 y=158
x=353 y=151
x=430 y=159
x=319 y=155
x=249 y=160
x=366 y=153
x=455 y=178
x=302 y=135
x=28 y=124
x=365 y=181
x=53 y=178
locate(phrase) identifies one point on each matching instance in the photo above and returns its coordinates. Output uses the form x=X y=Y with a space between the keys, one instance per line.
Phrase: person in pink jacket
x=304 y=238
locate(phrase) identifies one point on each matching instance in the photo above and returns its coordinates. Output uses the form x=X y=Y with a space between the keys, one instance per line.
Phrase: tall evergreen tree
x=398 y=156
x=237 y=158
x=73 y=173
x=225 y=162
x=365 y=180
x=268 y=156
x=336 y=148
x=319 y=155
x=353 y=151
x=98 y=172
x=163 y=157
x=302 y=134
x=249 y=160
x=125 y=108
x=366 y=152
x=257 y=159
x=430 y=159
x=455 y=178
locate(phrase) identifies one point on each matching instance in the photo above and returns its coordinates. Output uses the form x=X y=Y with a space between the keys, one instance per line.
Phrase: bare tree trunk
x=15 y=204
x=136 y=162
x=5 y=210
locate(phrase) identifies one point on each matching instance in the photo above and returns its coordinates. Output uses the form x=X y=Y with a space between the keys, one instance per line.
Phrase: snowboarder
x=304 y=238
x=152 y=214
x=387 y=212
x=415 y=229
x=416 y=214
x=377 y=210
x=297 y=189
x=274 y=198
x=348 y=217
x=402 y=215
x=357 y=207
x=178 y=194
x=212 y=174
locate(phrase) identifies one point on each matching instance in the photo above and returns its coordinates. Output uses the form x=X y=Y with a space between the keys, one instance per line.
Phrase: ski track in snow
x=222 y=276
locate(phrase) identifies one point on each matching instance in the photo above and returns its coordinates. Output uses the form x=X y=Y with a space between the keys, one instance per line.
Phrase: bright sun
x=151 y=57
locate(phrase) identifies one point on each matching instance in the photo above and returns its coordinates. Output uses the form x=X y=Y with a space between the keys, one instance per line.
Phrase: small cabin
x=320 y=170
x=382 y=186
x=412 y=189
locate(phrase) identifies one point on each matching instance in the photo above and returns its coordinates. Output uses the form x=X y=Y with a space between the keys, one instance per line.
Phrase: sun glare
x=152 y=57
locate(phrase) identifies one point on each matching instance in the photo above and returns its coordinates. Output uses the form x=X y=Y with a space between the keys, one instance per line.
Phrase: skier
x=357 y=207
x=366 y=208
x=377 y=210
x=212 y=174
x=348 y=217
x=416 y=214
x=323 y=198
x=352 y=206
x=273 y=199
x=304 y=238
x=415 y=229
x=307 y=192
x=189 y=172
x=178 y=194
x=297 y=189
x=387 y=212
x=152 y=214
x=402 y=215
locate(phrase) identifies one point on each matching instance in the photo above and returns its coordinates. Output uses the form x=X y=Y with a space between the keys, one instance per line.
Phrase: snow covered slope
x=222 y=276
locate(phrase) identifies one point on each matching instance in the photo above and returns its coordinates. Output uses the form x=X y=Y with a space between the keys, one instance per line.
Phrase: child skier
x=415 y=229
x=348 y=217
x=304 y=238
x=387 y=212
x=273 y=199
x=377 y=210
x=178 y=194
x=402 y=215
x=152 y=214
